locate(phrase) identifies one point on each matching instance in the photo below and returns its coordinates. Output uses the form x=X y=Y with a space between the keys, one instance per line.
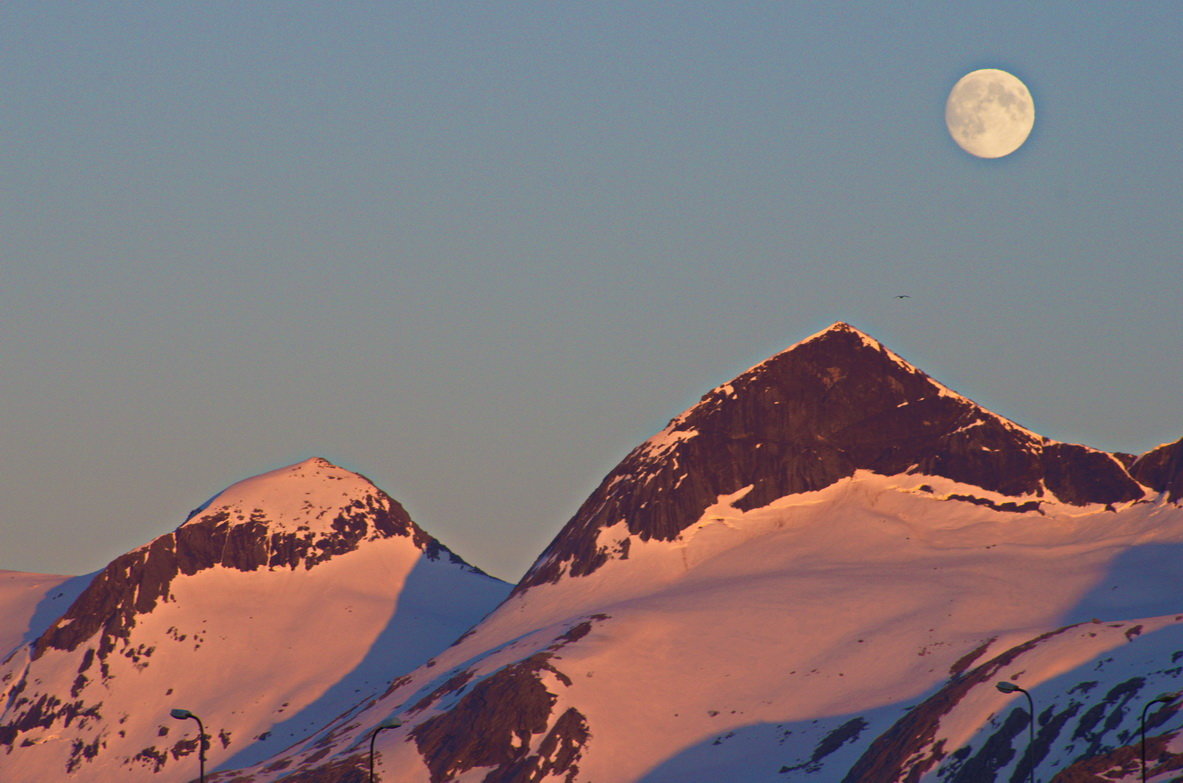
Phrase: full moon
x=989 y=113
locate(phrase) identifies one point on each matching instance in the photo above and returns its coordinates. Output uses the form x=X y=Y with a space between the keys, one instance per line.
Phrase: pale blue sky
x=478 y=251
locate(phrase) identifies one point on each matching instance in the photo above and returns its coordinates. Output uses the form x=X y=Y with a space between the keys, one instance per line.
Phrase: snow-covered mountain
x=278 y=604
x=816 y=573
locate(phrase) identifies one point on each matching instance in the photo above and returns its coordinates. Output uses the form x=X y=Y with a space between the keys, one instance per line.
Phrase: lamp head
x=180 y=714
x=390 y=723
x=1007 y=687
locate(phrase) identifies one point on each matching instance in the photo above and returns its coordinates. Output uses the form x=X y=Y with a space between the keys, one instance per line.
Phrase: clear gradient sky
x=478 y=251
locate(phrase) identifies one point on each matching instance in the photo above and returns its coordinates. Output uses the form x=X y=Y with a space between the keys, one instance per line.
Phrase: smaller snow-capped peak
x=296 y=516
x=296 y=592
x=292 y=497
x=293 y=518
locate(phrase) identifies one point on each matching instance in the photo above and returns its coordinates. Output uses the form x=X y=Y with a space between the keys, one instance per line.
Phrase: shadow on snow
x=433 y=609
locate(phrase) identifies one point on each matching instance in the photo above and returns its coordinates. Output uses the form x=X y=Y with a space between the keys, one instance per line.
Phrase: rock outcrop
x=1161 y=469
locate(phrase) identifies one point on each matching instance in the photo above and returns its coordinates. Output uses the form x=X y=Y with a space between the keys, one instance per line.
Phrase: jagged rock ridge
x=1161 y=469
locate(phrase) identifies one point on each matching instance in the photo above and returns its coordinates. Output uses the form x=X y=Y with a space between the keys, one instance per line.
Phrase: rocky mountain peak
x=295 y=517
x=307 y=495
x=270 y=610
x=836 y=402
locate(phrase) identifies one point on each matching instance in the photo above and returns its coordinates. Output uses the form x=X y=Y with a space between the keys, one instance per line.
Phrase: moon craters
x=989 y=113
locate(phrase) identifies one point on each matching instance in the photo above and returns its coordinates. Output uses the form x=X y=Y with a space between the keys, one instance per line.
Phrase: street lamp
x=180 y=714
x=1165 y=698
x=1010 y=687
x=389 y=723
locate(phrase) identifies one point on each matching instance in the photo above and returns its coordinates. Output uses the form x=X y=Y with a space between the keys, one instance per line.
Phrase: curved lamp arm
x=181 y=714
x=1164 y=699
x=1010 y=687
x=389 y=723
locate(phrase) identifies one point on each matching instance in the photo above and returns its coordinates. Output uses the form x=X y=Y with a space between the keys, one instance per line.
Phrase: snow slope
x=768 y=589
x=768 y=630
x=277 y=605
x=30 y=602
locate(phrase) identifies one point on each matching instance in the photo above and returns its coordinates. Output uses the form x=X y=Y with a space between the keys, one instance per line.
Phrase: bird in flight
x=902 y=296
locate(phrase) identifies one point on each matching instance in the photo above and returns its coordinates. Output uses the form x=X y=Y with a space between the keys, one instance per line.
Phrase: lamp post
x=180 y=714
x=1165 y=698
x=389 y=723
x=1010 y=687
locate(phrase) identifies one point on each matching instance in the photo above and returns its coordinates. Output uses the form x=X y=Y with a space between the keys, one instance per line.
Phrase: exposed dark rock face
x=492 y=724
x=847 y=732
x=906 y=751
x=996 y=753
x=1079 y=475
x=133 y=583
x=1016 y=508
x=1086 y=725
x=354 y=769
x=495 y=720
x=507 y=723
x=559 y=750
x=1125 y=763
x=42 y=711
x=804 y=419
x=1161 y=469
x=965 y=661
